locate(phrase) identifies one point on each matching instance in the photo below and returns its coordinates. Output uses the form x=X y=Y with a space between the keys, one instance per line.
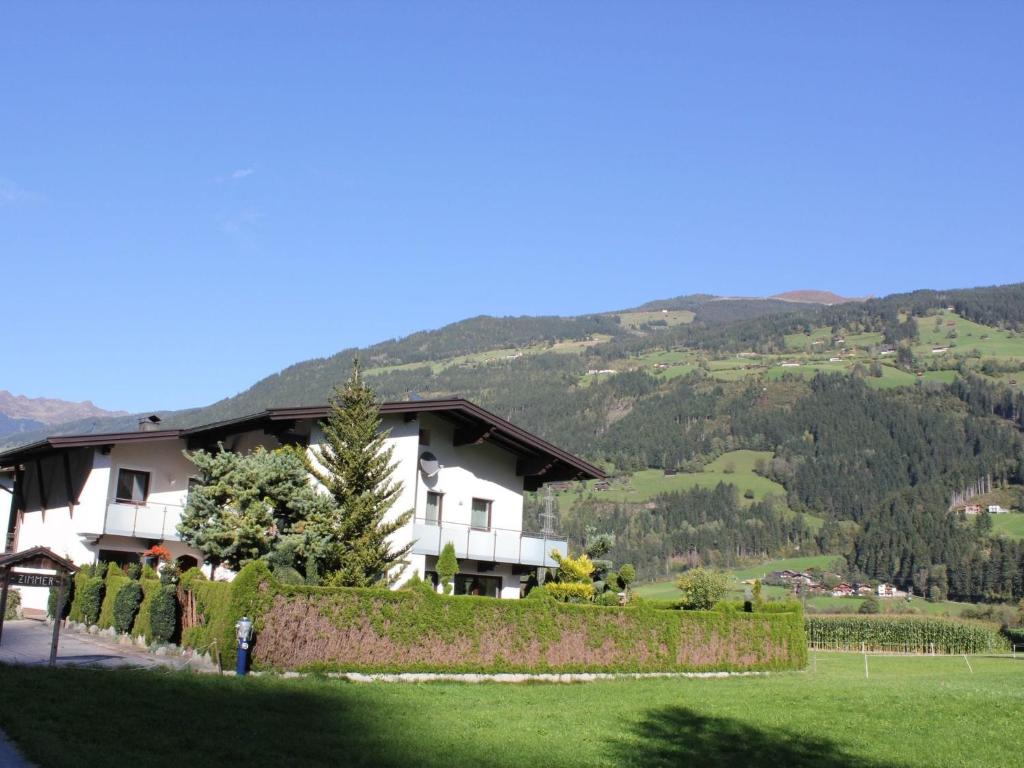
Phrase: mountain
x=813 y=297
x=742 y=428
x=48 y=410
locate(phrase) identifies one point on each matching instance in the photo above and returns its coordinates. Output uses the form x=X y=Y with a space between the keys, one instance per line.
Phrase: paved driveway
x=27 y=641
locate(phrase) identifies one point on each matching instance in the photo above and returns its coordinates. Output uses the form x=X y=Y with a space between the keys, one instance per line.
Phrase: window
x=132 y=486
x=481 y=516
x=473 y=584
x=433 y=513
x=424 y=437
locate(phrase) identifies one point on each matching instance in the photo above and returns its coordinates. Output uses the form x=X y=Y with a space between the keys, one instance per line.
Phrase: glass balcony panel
x=120 y=519
x=481 y=545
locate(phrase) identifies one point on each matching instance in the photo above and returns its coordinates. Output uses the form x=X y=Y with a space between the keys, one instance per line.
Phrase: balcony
x=145 y=521
x=493 y=545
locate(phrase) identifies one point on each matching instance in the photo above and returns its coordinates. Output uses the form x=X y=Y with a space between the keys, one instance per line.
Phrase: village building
x=110 y=497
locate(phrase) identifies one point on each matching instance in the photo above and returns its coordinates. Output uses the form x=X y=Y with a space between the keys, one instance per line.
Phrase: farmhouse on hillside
x=110 y=497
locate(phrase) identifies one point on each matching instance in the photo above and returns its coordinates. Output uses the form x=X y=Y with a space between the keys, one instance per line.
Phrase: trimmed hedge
x=163 y=614
x=912 y=634
x=150 y=588
x=126 y=605
x=115 y=582
x=301 y=627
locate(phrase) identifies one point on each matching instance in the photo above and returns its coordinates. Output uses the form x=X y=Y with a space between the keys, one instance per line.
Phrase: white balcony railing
x=493 y=545
x=145 y=521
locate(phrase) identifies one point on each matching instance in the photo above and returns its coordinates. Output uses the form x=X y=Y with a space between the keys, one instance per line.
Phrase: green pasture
x=648 y=483
x=906 y=712
x=988 y=341
x=1010 y=524
x=634 y=320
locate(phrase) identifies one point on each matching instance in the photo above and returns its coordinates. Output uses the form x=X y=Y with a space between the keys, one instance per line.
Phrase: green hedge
x=150 y=588
x=302 y=627
x=115 y=582
x=913 y=634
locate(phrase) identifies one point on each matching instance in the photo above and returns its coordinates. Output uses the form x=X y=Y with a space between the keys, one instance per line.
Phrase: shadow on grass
x=89 y=717
x=677 y=736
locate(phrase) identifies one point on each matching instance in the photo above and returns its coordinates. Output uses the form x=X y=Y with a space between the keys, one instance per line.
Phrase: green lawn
x=1010 y=524
x=926 y=711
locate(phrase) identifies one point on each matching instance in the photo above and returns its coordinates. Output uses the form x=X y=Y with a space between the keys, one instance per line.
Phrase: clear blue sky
x=195 y=195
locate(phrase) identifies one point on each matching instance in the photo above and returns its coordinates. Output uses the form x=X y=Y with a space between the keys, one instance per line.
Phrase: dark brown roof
x=37 y=557
x=541 y=460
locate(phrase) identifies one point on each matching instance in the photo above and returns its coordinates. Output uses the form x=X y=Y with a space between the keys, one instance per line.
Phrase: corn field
x=903 y=634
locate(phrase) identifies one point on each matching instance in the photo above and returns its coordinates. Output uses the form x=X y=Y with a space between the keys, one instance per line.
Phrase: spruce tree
x=354 y=465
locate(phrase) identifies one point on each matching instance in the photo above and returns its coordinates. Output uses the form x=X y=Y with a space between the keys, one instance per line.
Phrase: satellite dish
x=429 y=464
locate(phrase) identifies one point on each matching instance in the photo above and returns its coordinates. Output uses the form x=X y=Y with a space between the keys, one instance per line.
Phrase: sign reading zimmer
x=33 y=580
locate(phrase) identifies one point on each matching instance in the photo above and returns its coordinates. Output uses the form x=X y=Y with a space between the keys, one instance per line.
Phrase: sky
x=195 y=195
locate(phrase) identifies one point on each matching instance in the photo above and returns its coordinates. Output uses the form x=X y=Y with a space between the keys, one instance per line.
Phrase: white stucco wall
x=77 y=534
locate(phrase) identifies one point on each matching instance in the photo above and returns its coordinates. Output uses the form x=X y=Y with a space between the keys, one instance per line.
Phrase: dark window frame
x=424 y=437
x=117 y=488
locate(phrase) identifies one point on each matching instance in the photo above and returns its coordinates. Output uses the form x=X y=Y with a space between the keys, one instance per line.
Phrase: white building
x=995 y=509
x=109 y=497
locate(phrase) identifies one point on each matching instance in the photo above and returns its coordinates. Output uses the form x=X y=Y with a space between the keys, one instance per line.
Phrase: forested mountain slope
x=871 y=417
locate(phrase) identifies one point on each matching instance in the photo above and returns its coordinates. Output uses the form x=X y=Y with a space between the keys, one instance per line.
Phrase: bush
x=870 y=605
x=626 y=576
x=69 y=597
x=13 y=610
x=133 y=571
x=112 y=569
x=90 y=600
x=126 y=606
x=447 y=567
x=607 y=598
x=113 y=583
x=150 y=588
x=570 y=592
x=701 y=589
x=163 y=614
x=149 y=572
x=285 y=574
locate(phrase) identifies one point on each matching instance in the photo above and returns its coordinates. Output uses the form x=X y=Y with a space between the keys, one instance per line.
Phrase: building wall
x=77 y=533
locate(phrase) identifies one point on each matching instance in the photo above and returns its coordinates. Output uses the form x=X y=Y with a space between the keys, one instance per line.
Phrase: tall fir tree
x=354 y=465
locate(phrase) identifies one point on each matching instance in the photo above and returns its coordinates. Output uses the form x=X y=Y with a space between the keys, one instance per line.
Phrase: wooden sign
x=33 y=579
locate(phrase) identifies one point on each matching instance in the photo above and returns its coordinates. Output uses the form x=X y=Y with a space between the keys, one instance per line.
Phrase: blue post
x=242 y=660
x=243 y=630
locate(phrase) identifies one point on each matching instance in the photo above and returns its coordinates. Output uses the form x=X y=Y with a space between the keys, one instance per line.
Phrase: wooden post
x=56 y=618
x=3 y=601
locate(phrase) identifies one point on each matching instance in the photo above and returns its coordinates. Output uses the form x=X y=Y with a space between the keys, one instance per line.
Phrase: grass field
x=666 y=590
x=1010 y=524
x=648 y=483
x=990 y=342
x=925 y=711
x=670 y=317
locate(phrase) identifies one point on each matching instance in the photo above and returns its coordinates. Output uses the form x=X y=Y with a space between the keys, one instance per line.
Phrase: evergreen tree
x=355 y=467
x=245 y=504
x=447 y=567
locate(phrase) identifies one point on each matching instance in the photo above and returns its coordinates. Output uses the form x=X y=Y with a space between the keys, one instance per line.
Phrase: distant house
x=835 y=359
x=995 y=509
x=863 y=589
x=790 y=365
x=669 y=471
x=602 y=486
x=842 y=590
x=890 y=590
x=972 y=509
x=939 y=350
